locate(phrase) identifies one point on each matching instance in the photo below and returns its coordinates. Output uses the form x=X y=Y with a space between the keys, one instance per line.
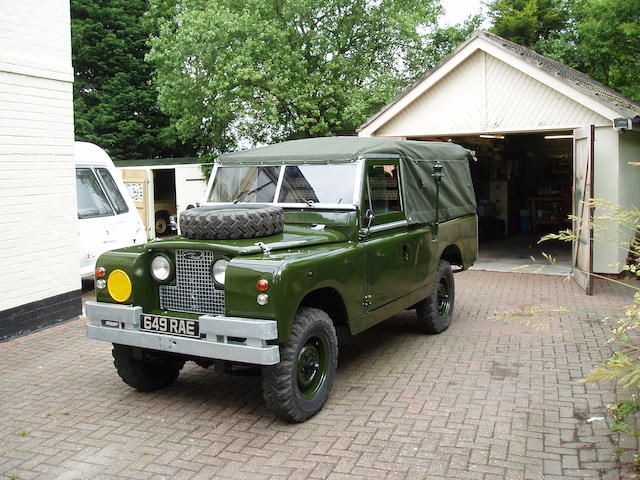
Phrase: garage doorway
x=523 y=184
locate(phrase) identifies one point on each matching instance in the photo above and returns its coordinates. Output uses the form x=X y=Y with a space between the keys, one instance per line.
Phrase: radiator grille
x=194 y=291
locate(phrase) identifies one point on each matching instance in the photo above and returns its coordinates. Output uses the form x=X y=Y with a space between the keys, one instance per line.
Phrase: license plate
x=170 y=325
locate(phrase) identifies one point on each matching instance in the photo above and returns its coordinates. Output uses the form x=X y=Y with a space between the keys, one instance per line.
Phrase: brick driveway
x=496 y=396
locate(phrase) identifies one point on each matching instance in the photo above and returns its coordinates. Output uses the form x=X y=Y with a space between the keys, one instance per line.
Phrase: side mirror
x=369 y=215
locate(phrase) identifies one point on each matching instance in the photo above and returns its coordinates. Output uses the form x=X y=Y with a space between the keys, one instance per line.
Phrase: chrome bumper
x=124 y=329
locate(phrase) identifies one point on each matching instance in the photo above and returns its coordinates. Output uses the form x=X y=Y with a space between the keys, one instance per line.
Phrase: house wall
x=39 y=252
x=606 y=168
x=629 y=181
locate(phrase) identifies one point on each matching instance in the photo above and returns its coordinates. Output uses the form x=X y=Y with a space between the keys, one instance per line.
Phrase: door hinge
x=366 y=301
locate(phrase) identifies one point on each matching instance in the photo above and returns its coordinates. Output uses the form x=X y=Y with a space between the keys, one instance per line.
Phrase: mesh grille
x=194 y=291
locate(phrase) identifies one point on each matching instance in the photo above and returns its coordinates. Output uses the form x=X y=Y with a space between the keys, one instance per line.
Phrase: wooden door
x=137 y=184
x=582 y=255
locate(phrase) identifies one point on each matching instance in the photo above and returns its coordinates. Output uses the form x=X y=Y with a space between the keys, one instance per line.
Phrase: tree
x=527 y=22
x=114 y=101
x=607 y=41
x=236 y=72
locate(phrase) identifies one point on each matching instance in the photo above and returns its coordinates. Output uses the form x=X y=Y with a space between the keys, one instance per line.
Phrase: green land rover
x=292 y=241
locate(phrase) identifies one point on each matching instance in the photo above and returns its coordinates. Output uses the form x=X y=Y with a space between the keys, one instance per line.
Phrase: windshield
x=92 y=202
x=300 y=184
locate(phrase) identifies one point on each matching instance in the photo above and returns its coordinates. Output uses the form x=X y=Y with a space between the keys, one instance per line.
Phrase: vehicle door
x=390 y=249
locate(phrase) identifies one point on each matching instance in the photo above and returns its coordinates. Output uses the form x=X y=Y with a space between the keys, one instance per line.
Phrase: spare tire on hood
x=231 y=222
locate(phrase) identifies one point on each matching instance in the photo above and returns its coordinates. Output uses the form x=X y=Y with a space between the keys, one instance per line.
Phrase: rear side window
x=112 y=190
x=92 y=201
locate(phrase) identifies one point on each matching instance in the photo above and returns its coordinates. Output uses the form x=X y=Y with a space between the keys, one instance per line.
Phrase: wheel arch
x=453 y=255
x=330 y=301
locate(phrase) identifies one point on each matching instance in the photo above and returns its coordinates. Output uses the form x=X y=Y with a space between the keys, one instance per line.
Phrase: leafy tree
x=607 y=41
x=114 y=101
x=527 y=22
x=236 y=72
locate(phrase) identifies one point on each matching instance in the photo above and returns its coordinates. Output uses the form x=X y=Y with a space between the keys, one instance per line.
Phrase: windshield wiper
x=255 y=190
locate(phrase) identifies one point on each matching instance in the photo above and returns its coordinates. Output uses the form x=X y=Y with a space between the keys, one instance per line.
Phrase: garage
x=161 y=189
x=547 y=139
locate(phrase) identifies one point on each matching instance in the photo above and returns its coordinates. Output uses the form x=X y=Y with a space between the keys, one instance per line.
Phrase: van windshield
x=112 y=191
x=331 y=184
x=92 y=201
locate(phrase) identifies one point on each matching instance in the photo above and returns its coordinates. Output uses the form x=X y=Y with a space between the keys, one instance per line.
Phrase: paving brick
x=490 y=398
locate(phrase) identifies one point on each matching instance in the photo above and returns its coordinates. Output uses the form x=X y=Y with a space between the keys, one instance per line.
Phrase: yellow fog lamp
x=119 y=286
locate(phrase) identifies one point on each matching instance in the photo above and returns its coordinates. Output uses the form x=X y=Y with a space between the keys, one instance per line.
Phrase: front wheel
x=145 y=370
x=434 y=313
x=297 y=387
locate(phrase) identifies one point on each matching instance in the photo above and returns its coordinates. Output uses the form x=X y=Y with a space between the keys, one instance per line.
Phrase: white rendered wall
x=629 y=185
x=606 y=253
x=39 y=252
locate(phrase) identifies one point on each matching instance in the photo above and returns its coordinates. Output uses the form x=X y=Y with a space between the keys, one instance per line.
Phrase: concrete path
x=497 y=396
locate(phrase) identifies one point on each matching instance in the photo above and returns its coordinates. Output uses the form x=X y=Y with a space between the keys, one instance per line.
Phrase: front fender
x=292 y=276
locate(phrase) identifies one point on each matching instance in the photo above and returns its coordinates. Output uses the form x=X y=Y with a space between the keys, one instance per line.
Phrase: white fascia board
x=475 y=133
x=432 y=79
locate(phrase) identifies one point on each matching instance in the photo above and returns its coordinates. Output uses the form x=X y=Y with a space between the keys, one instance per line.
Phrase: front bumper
x=124 y=323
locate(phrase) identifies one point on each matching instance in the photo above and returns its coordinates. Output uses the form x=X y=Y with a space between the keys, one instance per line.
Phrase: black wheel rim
x=313 y=365
x=444 y=297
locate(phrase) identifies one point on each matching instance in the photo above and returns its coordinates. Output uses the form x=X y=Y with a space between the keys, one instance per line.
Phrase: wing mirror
x=369 y=216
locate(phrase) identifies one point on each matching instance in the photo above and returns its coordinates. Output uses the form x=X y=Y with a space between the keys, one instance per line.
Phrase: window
x=245 y=184
x=92 y=201
x=318 y=184
x=382 y=194
x=112 y=191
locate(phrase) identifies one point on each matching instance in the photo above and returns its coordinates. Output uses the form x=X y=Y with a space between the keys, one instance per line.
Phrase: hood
x=293 y=236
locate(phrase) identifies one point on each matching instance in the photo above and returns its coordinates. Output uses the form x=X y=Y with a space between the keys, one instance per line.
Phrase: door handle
x=405 y=253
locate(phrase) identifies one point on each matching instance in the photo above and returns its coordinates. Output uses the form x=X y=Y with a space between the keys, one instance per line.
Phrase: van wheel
x=434 y=313
x=297 y=388
x=145 y=370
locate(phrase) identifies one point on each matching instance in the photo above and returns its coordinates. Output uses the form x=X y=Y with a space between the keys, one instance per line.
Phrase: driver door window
x=382 y=192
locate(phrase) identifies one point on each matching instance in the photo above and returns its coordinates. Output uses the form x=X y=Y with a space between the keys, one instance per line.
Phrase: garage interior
x=164 y=201
x=523 y=184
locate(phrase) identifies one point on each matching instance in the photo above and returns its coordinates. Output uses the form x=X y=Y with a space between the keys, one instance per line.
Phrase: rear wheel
x=296 y=388
x=434 y=313
x=145 y=370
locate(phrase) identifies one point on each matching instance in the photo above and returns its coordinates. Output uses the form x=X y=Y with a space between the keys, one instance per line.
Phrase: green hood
x=293 y=236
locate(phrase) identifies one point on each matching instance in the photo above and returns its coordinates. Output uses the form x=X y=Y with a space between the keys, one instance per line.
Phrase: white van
x=107 y=217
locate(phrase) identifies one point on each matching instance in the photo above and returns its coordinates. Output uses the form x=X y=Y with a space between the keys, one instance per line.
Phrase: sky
x=456 y=11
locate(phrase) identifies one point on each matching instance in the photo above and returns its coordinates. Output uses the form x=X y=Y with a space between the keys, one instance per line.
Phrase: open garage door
x=582 y=256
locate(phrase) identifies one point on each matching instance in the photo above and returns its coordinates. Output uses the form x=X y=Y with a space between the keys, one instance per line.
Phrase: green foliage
x=236 y=73
x=598 y=37
x=114 y=102
x=527 y=22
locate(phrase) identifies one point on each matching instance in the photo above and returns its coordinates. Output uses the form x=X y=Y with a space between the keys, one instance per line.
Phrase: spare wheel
x=231 y=222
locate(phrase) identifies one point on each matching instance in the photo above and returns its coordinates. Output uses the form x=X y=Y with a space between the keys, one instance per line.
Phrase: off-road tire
x=434 y=313
x=290 y=388
x=142 y=375
x=231 y=222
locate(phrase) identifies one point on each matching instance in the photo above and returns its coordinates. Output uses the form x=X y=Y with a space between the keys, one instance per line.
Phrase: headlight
x=160 y=268
x=219 y=270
